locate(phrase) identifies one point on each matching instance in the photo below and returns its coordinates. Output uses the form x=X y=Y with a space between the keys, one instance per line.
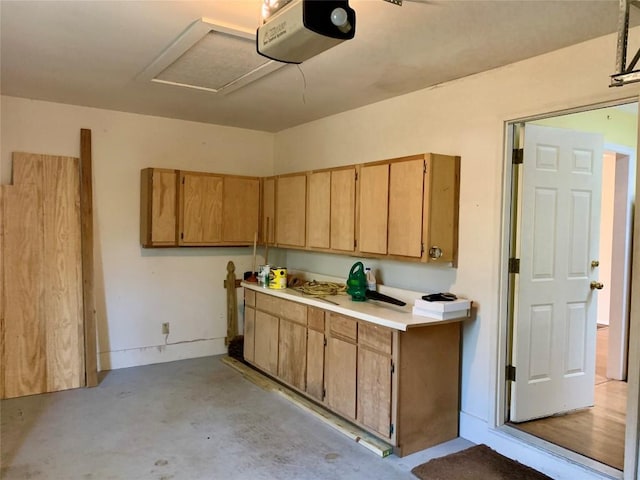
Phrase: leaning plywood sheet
x=24 y=339
x=57 y=179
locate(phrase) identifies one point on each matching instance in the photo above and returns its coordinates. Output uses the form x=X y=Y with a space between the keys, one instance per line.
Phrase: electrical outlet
x=165 y=328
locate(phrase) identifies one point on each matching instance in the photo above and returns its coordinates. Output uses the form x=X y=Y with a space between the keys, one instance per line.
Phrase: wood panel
x=24 y=354
x=2 y=301
x=158 y=207
x=88 y=285
x=63 y=273
x=266 y=349
x=293 y=311
x=315 y=364
x=425 y=415
x=249 y=297
x=319 y=210
x=241 y=209
x=374 y=208
x=406 y=180
x=249 y=334
x=268 y=226
x=340 y=376
x=291 y=194
x=201 y=209
x=292 y=354
x=343 y=209
x=441 y=205
x=374 y=391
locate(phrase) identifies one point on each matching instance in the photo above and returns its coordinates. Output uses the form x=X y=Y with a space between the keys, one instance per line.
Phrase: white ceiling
x=92 y=53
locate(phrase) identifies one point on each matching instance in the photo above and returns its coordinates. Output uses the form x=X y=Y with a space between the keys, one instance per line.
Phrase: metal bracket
x=625 y=73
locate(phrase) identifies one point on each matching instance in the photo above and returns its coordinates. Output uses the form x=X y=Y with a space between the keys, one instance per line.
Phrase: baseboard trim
x=170 y=352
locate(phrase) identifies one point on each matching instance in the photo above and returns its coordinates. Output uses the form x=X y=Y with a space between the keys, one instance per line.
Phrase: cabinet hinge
x=424 y=167
x=511 y=373
x=181 y=235
x=183 y=180
x=325 y=341
x=324 y=393
x=390 y=429
x=514 y=265
x=356 y=176
x=517 y=157
x=355 y=243
x=421 y=248
x=393 y=368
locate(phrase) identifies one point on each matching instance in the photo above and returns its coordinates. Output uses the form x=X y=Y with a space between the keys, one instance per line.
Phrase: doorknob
x=595 y=263
x=596 y=286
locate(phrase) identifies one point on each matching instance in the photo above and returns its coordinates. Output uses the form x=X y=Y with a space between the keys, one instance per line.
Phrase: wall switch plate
x=165 y=328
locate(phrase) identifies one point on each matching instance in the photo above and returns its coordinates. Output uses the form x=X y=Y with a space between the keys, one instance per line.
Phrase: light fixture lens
x=339 y=19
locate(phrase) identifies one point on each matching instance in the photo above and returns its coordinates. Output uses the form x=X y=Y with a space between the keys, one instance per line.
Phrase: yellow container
x=278 y=278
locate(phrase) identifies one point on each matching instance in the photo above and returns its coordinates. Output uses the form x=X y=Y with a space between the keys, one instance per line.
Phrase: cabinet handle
x=435 y=252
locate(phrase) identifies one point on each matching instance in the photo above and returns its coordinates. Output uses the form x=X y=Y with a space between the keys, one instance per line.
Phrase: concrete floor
x=192 y=419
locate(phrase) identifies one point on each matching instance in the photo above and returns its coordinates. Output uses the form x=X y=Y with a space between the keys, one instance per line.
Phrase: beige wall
x=139 y=289
x=467 y=118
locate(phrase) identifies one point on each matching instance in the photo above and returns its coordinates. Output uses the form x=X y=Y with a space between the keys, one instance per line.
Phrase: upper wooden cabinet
x=291 y=193
x=158 y=207
x=268 y=215
x=179 y=208
x=331 y=209
x=408 y=208
x=200 y=208
x=240 y=209
x=403 y=208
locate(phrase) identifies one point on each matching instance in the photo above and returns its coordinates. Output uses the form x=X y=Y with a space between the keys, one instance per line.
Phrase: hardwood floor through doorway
x=596 y=432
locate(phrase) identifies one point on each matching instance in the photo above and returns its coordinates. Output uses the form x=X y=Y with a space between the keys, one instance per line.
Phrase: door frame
x=504 y=330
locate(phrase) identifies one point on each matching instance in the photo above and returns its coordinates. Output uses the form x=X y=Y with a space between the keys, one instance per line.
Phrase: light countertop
x=377 y=312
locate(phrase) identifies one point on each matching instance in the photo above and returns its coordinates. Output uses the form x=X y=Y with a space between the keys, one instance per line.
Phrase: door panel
x=554 y=307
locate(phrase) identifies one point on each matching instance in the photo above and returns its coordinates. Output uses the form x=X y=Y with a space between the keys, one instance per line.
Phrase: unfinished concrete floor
x=192 y=419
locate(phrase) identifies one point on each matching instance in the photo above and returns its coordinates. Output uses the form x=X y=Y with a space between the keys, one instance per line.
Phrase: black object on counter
x=439 y=297
x=384 y=298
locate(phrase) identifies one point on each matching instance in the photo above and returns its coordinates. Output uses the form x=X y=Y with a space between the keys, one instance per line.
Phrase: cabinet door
x=240 y=209
x=441 y=201
x=319 y=210
x=249 y=333
x=315 y=364
x=268 y=226
x=340 y=376
x=290 y=210
x=374 y=208
x=201 y=209
x=315 y=352
x=343 y=209
x=266 y=342
x=406 y=180
x=158 y=207
x=292 y=356
x=374 y=390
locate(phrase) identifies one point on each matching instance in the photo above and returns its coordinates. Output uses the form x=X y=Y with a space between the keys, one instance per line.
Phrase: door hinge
x=514 y=265
x=390 y=429
x=393 y=368
x=511 y=373
x=517 y=157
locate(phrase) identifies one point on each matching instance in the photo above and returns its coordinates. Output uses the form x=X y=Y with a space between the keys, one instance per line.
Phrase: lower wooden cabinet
x=292 y=354
x=402 y=386
x=266 y=342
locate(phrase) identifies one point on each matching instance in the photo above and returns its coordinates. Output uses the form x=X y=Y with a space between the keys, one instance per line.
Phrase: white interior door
x=554 y=304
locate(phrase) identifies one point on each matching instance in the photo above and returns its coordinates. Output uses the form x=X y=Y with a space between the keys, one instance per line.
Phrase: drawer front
x=375 y=337
x=296 y=312
x=343 y=327
x=249 y=298
x=315 y=319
